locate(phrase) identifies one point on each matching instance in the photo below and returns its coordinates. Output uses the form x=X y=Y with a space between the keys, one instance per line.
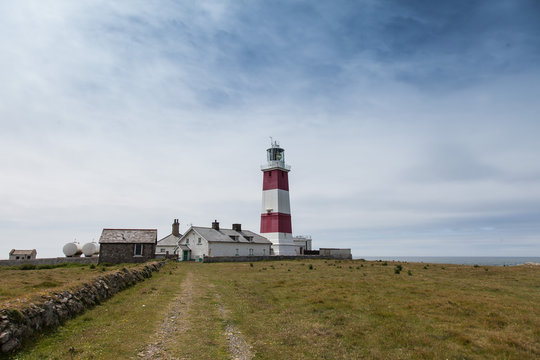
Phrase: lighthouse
x=276 y=210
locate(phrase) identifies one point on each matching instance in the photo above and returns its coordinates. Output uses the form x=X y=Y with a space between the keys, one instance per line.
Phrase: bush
x=476 y=265
x=409 y=272
x=93 y=266
x=385 y=264
x=310 y=267
x=398 y=269
x=250 y=264
x=425 y=267
x=27 y=267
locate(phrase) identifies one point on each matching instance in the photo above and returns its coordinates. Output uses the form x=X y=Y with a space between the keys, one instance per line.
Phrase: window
x=162 y=250
x=138 y=250
x=264 y=252
x=250 y=251
x=249 y=238
x=234 y=237
x=187 y=241
x=199 y=241
x=237 y=253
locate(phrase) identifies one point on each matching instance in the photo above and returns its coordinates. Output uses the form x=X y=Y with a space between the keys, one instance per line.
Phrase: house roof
x=224 y=235
x=22 y=252
x=128 y=236
x=170 y=240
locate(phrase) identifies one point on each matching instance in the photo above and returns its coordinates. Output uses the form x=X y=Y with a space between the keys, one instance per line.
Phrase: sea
x=460 y=260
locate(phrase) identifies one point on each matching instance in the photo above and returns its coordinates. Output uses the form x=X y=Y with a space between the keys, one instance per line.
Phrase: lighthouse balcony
x=276 y=165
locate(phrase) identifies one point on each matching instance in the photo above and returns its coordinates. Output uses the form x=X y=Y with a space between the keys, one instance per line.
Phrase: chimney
x=215 y=225
x=176 y=228
x=237 y=227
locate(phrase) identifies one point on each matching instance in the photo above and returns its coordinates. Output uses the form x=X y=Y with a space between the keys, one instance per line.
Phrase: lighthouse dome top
x=275 y=155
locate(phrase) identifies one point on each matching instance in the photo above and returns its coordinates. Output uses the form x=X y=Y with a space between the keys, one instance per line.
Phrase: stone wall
x=216 y=259
x=52 y=261
x=117 y=253
x=17 y=326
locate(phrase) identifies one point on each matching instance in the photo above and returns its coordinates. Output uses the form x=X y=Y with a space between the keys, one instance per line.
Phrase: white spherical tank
x=90 y=249
x=72 y=249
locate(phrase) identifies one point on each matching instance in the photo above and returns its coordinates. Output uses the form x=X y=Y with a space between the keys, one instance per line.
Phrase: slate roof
x=223 y=235
x=22 y=252
x=169 y=240
x=128 y=236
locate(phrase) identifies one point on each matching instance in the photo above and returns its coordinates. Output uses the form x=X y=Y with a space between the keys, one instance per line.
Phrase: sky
x=411 y=126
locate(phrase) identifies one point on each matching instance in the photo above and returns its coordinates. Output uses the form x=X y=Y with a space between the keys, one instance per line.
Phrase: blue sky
x=411 y=126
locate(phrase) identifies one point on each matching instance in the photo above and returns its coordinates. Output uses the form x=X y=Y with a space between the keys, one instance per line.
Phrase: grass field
x=20 y=287
x=313 y=310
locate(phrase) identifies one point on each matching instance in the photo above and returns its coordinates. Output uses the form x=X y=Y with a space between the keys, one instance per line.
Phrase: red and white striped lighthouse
x=276 y=210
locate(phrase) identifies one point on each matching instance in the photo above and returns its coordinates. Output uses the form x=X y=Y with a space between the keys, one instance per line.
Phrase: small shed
x=15 y=254
x=127 y=245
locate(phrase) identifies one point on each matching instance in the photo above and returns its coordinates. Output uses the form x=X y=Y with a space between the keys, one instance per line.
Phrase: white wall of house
x=200 y=247
x=239 y=249
x=197 y=244
x=162 y=249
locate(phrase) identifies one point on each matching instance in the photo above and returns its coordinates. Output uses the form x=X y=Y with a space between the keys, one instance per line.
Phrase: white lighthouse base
x=282 y=243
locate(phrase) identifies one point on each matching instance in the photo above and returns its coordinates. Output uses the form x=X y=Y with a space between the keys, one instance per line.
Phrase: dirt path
x=176 y=320
x=239 y=349
x=177 y=323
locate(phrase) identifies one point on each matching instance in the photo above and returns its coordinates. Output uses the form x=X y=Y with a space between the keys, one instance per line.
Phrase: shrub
x=425 y=267
x=250 y=264
x=476 y=265
x=398 y=269
x=93 y=266
x=409 y=272
x=385 y=264
x=27 y=267
x=44 y=266
x=310 y=267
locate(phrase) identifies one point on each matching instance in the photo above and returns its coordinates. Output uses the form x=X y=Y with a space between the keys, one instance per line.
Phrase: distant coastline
x=460 y=260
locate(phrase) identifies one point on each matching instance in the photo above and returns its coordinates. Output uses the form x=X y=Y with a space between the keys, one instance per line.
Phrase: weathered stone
x=5 y=336
x=62 y=306
x=12 y=344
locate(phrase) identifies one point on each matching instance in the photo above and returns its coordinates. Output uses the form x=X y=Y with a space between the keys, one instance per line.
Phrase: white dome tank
x=72 y=249
x=90 y=249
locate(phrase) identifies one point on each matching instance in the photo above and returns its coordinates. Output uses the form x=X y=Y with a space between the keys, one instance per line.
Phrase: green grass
x=319 y=310
x=19 y=287
x=117 y=329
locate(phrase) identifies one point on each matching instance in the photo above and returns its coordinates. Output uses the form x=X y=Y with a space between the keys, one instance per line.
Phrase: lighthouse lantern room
x=276 y=211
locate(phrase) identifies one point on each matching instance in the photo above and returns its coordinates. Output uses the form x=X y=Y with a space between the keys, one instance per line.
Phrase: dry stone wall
x=18 y=325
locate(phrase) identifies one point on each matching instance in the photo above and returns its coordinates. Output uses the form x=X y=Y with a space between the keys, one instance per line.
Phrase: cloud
x=400 y=120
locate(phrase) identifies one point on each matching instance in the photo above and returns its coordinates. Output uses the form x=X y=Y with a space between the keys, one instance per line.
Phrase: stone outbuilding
x=168 y=246
x=15 y=254
x=199 y=242
x=127 y=245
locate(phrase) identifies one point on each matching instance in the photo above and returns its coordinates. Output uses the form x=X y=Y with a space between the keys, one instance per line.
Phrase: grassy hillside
x=311 y=309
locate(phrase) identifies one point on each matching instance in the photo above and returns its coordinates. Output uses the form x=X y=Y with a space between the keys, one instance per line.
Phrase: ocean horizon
x=459 y=260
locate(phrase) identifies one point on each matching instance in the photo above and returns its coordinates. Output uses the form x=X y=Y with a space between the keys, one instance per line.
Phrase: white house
x=199 y=241
x=302 y=243
x=169 y=244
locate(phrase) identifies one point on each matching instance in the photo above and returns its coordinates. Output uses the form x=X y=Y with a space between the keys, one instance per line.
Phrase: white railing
x=275 y=164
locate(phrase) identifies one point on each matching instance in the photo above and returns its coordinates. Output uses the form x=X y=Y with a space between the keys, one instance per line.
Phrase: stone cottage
x=22 y=254
x=127 y=245
x=199 y=242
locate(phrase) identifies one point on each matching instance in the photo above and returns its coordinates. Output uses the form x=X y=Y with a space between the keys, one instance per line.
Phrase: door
x=185 y=257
